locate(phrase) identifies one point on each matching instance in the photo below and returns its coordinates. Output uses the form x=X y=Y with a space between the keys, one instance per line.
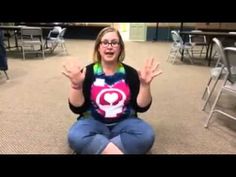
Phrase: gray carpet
x=35 y=118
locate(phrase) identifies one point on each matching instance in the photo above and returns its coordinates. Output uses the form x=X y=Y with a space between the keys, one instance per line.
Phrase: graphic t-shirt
x=110 y=96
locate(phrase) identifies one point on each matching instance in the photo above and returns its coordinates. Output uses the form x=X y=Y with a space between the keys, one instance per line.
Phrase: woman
x=108 y=94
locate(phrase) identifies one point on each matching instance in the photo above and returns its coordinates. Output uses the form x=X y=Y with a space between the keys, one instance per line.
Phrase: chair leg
x=192 y=52
x=190 y=57
x=6 y=75
x=175 y=56
x=213 y=88
x=42 y=49
x=64 y=48
x=169 y=56
x=208 y=98
x=209 y=82
x=216 y=100
x=211 y=92
x=23 y=52
x=172 y=56
x=54 y=46
x=171 y=52
x=43 y=54
x=201 y=51
x=212 y=109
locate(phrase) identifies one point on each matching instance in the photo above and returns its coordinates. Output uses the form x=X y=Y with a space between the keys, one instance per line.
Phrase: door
x=138 y=32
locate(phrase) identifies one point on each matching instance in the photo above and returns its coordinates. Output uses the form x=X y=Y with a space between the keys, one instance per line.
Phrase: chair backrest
x=220 y=50
x=56 y=33
x=57 y=29
x=201 y=39
x=176 y=37
x=31 y=33
x=230 y=63
x=62 y=33
x=228 y=41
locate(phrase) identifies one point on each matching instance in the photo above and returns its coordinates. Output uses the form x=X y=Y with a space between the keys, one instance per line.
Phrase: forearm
x=76 y=97
x=144 y=96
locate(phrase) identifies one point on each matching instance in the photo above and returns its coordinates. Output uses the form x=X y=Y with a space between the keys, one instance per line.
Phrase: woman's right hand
x=76 y=73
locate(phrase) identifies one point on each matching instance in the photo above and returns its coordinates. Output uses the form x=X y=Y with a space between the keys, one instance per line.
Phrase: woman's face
x=109 y=47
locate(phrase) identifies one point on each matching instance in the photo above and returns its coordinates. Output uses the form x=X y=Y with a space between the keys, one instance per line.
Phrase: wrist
x=144 y=85
x=76 y=86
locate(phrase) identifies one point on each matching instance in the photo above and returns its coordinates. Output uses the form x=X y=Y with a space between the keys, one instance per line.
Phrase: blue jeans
x=131 y=136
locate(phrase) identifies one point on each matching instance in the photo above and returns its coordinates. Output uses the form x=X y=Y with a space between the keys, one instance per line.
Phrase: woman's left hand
x=149 y=71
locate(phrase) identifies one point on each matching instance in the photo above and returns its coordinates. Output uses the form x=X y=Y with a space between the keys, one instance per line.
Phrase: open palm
x=74 y=72
x=149 y=71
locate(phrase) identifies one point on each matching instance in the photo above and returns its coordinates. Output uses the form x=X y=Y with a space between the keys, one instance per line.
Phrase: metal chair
x=32 y=41
x=228 y=85
x=178 y=46
x=198 y=42
x=216 y=73
x=56 y=39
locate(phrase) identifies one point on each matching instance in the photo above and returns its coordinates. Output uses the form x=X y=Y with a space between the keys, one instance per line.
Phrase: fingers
x=155 y=67
x=151 y=64
x=155 y=70
x=157 y=73
x=151 y=61
x=72 y=63
x=72 y=67
x=65 y=74
x=66 y=69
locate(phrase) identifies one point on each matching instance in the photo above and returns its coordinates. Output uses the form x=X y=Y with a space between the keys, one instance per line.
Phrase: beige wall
x=161 y=24
x=226 y=26
x=171 y=24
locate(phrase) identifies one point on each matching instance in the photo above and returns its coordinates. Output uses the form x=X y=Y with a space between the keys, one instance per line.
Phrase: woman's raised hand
x=149 y=71
x=75 y=72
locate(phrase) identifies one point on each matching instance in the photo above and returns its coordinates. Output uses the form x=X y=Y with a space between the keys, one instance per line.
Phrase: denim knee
x=137 y=136
x=76 y=140
x=148 y=139
x=88 y=136
x=140 y=143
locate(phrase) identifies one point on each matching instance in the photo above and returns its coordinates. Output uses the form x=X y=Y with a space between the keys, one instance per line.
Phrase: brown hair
x=96 y=54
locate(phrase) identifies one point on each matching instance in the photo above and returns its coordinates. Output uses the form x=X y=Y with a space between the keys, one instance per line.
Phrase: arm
x=76 y=76
x=132 y=78
x=76 y=97
x=144 y=97
x=77 y=101
x=146 y=75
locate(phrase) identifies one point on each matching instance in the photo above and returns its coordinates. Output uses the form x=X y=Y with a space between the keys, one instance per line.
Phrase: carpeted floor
x=35 y=118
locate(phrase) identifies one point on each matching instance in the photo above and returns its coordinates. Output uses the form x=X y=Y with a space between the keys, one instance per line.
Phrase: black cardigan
x=131 y=78
x=3 y=55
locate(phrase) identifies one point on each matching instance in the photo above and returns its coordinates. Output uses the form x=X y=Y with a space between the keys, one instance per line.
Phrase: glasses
x=112 y=43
